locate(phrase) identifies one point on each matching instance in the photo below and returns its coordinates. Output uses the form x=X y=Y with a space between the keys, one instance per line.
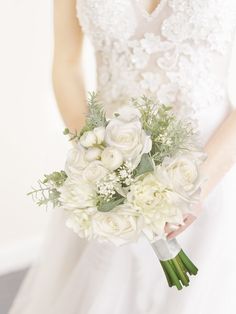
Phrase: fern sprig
x=96 y=115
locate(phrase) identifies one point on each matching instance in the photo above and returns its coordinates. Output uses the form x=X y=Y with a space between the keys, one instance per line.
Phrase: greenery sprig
x=169 y=134
x=96 y=115
x=47 y=191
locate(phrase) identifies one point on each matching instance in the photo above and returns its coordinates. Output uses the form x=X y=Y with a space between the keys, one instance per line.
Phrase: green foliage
x=145 y=165
x=56 y=178
x=107 y=206
x=96 y=115
x=47 y=191
x=72 y=136
x=169 y=134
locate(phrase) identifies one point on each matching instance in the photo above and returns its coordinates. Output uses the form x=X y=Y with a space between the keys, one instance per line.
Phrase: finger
x=171 y=227
x=187 y=222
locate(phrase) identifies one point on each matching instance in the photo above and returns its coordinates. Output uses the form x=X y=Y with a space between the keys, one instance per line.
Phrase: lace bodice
x=179 y=53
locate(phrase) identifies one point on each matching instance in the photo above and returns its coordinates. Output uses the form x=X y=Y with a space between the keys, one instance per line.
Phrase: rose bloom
x=94 y=171
x=184 y=173
x=76 y=161
x=127 y=135
x=157 y=204
x=76 y=193
x=119 y=226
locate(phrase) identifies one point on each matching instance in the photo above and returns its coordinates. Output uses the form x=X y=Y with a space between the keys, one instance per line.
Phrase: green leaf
x=108 y=206
x=66 y=131
x=145 y=165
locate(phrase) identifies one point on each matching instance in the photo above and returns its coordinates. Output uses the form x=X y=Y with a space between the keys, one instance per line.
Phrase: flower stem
x=171 y=272
x=175 y=263
x=190 y=267
x=180 y=273
x=170 y=283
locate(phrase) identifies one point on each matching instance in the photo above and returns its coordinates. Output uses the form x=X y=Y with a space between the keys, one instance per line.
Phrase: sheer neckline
x=150 y=15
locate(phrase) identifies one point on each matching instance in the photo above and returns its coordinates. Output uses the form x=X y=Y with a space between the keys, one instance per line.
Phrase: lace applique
x=171 y=61
x=210 y=21
x=106 y=20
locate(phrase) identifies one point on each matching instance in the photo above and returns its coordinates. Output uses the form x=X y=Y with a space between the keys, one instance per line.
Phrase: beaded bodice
x=179 y=53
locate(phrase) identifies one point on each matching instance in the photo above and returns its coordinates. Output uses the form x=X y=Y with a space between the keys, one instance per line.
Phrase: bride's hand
x=174 y=230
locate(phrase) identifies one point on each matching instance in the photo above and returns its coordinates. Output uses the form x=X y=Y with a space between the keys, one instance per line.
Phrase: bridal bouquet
x=130 y=175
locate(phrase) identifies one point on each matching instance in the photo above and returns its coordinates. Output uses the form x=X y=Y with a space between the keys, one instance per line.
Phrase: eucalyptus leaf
x=145 y=165
x=108 y=206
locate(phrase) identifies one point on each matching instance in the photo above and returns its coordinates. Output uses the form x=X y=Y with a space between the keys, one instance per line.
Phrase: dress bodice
x=179 y=53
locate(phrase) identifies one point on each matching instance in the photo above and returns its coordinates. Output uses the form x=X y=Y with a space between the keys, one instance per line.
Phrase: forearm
x=221 y=151
x=70 y=94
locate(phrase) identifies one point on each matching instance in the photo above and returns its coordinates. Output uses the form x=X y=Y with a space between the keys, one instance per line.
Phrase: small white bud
x=88 y=139
x=99 y=132
x=111 y=158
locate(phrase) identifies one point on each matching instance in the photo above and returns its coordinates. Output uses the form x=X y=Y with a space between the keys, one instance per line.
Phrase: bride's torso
x=179 y=53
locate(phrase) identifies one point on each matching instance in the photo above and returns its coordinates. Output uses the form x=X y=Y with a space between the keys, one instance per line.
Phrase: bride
x=177 y=51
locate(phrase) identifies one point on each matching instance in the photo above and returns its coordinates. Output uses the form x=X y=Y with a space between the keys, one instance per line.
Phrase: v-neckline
x=155 y=11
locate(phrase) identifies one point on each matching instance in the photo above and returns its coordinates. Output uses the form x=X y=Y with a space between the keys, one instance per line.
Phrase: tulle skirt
x=77 y=277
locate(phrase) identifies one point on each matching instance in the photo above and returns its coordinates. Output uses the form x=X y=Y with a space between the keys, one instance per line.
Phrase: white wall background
x=30 y=126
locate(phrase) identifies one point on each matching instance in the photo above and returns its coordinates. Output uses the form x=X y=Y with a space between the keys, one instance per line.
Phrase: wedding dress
x=180 y=54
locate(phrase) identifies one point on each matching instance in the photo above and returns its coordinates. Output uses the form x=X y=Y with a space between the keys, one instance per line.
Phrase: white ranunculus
x=76 y=161
x=184 y=173
x=157 y=204
x=80 y=221
x=93 y=153
x=128 y=137
x=99 y=132
x=111 y=158
x=128 y=113
x=94 y=171
x=119 y=226
x=76 y=193
x=88 y=139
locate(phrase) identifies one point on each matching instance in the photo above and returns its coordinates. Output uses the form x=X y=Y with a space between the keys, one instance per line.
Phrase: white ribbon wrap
x=166 y=249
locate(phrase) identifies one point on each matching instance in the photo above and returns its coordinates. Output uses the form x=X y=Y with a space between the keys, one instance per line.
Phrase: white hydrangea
x=156 y=203
x=77 y=193
x=80 y=221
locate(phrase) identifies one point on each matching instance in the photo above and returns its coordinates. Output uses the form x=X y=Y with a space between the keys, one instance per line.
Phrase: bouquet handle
x=175 y=263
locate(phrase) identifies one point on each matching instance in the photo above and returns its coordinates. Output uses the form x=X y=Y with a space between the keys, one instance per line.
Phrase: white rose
x=119 y=226
x=128 y=137
x=156 y=203
x=80 y=221
x=111 y=158
x=76 y=161
x=76 y=193
x=93 y=153
x=99 y=132
x=94 y=171
x=184 y=173
x=88 y=139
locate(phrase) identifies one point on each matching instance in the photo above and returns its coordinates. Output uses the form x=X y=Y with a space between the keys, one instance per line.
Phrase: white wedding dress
x=180 y=54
